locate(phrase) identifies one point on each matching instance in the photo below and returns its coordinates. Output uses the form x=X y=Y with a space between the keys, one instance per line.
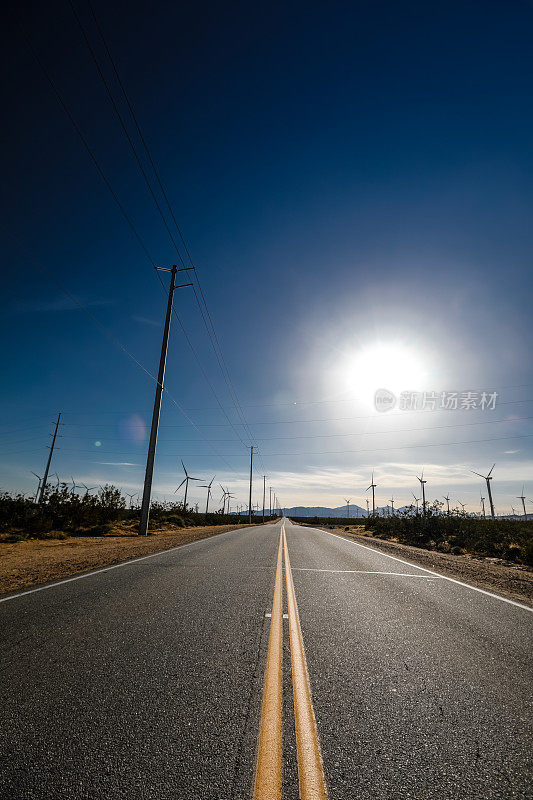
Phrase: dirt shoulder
x=492 y=574
x=36 y=561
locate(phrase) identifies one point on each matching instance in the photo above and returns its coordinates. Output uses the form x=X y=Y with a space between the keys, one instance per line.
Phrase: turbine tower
x=373 y=487
x=392 y=505
x=185 y=481
x=488 y=479
x=520 y=497
x=208 y=487
x=39 y=478
x=423 y=485
x=347 y=507
x=482 y=505
x=224 y=498
x=447 y=498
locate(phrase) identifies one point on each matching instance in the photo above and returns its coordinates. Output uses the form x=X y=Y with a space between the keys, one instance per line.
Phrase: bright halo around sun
x=394 y=367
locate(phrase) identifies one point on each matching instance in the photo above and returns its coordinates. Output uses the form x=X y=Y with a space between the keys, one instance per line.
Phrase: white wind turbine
x=488 y=479
x=185 y=481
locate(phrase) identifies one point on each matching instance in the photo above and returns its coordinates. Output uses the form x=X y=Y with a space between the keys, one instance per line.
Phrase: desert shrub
x=500 y=538
x=66 y=512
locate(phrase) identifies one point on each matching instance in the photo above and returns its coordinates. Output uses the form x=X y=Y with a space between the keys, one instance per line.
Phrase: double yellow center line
x=268 y=776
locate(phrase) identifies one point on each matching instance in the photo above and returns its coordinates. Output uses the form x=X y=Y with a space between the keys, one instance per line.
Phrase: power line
x=322 y=452
x=152 y=193
x=109 y=335
x=332 y=435
x=122 y=123
x=399 y=430
x=120 y=206
x=130 y=410
x=206 y=317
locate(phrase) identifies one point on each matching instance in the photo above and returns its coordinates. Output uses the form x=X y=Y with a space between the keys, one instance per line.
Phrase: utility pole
x=251 y=472
x=147 y=491
x=270 y=503
x=264 y=491
x=45 y=476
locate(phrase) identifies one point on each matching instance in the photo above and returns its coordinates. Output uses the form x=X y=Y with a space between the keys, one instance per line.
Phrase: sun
x=391 y=366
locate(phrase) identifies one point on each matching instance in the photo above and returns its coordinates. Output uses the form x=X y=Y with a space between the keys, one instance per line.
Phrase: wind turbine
x=462 y=506
x=231 y=497
x=520 y=497
x=417 y=500
x=88 y=489
x=75 y=485
x=347 y=507
x=185 y=481
x=367 y=507
x=39 y=478
x=373 y=487
x=392 y=505
x=208 y=487
x=447 y=498
x=488 y=479
x=131 y=496
x=482 y=505
x=513 y=511
x=423 y=485
x=224 y=497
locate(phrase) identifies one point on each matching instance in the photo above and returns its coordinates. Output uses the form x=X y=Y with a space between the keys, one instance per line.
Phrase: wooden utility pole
x=150 y=459
x=251 y=472
x=45 y=476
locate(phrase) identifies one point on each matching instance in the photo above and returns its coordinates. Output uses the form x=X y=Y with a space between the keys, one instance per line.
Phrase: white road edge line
x=364 y=572
x=113 y=566
x=430 y=571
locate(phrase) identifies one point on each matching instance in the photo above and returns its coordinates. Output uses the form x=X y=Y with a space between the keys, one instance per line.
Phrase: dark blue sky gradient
x=341 y=172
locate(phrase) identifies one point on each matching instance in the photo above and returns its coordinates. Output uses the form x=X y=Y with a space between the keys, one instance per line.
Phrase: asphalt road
x=145 y=681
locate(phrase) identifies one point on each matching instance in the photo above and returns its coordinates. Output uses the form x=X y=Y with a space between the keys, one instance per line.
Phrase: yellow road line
x=310 y=770
x=268 y=780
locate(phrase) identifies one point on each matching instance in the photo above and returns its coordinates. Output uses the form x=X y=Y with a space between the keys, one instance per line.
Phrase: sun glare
x=386 y=366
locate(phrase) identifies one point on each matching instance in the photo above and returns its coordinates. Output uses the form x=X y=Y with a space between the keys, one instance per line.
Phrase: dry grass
x=36 y=561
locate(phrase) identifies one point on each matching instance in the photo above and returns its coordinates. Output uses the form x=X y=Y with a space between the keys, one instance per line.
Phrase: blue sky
x=351 y=179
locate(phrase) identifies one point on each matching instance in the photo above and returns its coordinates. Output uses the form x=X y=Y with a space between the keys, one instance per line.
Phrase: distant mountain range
x=321 y=511
x=355 y=512
x=340 y=512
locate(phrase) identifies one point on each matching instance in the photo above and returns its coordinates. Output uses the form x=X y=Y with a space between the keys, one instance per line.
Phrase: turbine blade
x=488 y=476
